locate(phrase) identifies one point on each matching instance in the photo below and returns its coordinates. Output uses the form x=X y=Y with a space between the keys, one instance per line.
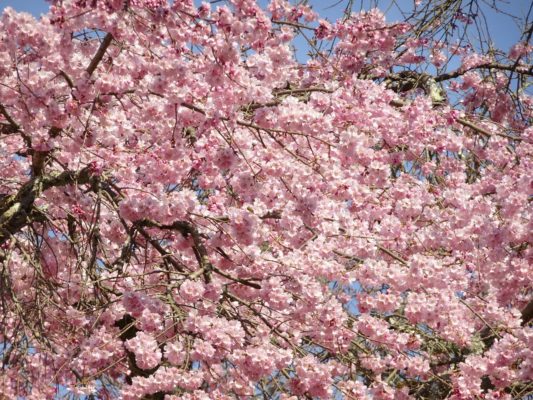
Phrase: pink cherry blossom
x=190 y=208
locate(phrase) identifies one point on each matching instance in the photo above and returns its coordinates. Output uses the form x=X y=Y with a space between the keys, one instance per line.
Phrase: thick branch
x=99 y=54
x=6 y=115
x=17 y=211
x=186 y=230
x=527 y=313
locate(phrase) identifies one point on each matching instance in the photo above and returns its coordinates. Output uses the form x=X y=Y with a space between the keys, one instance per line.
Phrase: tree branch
x=525 y=70
x=17 y=211
x=99 y=54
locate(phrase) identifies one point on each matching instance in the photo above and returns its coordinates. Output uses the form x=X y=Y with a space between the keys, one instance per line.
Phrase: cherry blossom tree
x=189 y=212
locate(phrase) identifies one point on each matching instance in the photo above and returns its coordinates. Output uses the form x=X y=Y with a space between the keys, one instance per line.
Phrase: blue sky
x=504 y=29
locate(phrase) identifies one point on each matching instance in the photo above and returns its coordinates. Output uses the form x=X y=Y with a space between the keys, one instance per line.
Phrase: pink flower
x=146 y=350
x=191 y=291
x=175 y=353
